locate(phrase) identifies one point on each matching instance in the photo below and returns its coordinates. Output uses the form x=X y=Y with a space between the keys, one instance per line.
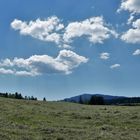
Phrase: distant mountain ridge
x=106 y=99
x=86 y=97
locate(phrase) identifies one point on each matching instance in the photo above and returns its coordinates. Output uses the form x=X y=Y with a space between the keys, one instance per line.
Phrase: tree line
x=17 y=95
x=94 y=100
x=99 y=100
x=124 y=101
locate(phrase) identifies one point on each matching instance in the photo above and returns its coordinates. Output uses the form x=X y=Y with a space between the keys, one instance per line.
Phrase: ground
x=38 y=120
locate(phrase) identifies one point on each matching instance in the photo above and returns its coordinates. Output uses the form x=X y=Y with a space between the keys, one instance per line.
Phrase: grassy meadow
x=38 y=120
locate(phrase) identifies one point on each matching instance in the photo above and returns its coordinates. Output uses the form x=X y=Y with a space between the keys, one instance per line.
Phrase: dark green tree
x=96 y=100
x=18 y=96
x=44 y=99
x=81 y=100
x=6 y=95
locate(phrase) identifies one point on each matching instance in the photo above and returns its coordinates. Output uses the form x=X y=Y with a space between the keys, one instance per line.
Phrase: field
x=36 y=120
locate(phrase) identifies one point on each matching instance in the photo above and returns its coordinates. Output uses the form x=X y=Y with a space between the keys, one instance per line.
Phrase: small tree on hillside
x=44 y=99
x=6 y=95
x=18 y=96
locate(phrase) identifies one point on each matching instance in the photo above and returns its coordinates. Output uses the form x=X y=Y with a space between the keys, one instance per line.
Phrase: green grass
x=34 y=120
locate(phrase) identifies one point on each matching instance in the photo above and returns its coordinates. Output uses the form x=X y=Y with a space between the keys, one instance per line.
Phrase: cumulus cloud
x=115 y=66
x=136 y=52
x=93 y=28
x=6 y=71
x=104 y=56
x=131 y=18
x=35 y=65
x=133 y=6
x=53 y=30
x=130 y=5
x=133 y=34
x=45 y=30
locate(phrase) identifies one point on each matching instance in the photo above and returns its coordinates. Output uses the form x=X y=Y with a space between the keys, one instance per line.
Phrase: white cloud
x=93 y=28
x=6 y=71
x=131 y=18
x=52 y=30
x=45 y=30
x=35 y=65
x=65 y=46
x=130 y=5
x=115 y=66
x=133 y=34
x=133 y=6
x=136 y=52
x=104 y=55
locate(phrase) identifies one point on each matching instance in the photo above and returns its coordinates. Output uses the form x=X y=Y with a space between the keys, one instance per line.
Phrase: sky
x=58 y=48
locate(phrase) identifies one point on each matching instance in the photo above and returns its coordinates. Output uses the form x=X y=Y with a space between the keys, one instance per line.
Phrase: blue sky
x=57 y=49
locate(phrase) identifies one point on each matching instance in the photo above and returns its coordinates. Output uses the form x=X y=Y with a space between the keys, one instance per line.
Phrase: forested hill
x=100 y=99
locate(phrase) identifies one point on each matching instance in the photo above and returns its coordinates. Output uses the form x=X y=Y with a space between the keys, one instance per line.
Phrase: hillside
x=107 y=99
x=87 y=97
x=36 y=120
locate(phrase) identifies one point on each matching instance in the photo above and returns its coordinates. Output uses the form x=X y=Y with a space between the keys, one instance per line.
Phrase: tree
x=96 y=100
x=81 y=100
x=26 y=98
x=18 y=95
x=33 y=98
x=44 y=99
x=6 y=95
